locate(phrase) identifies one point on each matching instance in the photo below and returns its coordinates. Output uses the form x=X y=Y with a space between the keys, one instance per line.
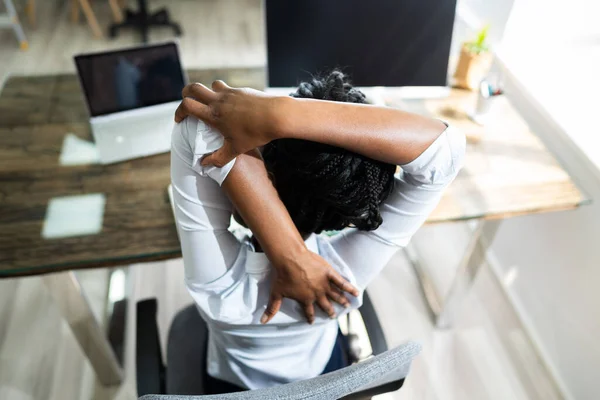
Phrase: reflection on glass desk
x=47 y=156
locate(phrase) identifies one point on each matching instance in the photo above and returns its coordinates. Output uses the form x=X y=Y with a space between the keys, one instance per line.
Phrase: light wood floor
x=217 y=33
x=485 y=356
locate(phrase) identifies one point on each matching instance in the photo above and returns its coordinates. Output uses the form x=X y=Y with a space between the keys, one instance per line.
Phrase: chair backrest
x=392 y=365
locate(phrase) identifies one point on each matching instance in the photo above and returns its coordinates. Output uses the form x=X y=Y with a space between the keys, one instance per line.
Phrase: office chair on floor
x=181 y=378
x=142 y=20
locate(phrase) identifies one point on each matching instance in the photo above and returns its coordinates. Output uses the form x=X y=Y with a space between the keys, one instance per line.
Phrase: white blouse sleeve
x=202 y=210
x=417 y=191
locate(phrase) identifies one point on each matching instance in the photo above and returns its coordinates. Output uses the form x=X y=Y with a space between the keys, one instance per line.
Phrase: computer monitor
x=121 y=80
x=377 y=42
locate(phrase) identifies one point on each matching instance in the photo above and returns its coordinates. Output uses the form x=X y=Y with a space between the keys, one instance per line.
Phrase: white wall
x=476 y=13
x=557 y=255
x=471 y=16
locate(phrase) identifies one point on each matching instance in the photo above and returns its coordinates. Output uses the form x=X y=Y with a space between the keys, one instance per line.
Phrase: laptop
x=132 y=95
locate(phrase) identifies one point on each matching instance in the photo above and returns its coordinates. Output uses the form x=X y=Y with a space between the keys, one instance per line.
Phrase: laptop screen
x=127 y=79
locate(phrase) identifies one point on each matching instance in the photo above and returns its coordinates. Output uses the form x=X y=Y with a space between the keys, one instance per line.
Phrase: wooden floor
x=486 y=355
x=217 y=33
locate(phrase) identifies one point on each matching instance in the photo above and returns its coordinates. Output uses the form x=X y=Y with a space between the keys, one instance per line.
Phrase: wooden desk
x=35 y=115
x=509 y=172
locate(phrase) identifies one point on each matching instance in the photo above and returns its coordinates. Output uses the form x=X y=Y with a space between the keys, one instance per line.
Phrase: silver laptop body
x=132 y=95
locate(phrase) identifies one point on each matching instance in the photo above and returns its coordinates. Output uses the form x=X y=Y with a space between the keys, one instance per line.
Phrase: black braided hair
x=326 y=187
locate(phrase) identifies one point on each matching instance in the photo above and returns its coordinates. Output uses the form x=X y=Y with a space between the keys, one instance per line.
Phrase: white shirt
x=230 y=283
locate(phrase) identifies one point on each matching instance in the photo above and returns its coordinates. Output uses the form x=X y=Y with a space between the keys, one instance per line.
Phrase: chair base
x=142 y=21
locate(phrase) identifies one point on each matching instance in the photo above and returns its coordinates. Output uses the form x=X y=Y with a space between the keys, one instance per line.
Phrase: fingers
x=326 y=306
x=338 y=297
x=219 y=85
x=196 y=98
x=343 y=284
x=272 y=308
x=220 y=157
x=189 y=106
x=309 y=312
x=199 y=92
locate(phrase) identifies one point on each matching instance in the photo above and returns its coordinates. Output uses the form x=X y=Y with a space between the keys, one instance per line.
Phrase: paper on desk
x=70 y=216
x=76 y=151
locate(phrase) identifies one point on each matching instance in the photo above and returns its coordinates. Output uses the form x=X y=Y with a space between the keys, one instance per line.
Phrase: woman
x=325 y=165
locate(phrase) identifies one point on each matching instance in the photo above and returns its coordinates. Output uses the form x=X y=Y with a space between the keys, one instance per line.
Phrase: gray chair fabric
x=390 y=365
x=186 y=353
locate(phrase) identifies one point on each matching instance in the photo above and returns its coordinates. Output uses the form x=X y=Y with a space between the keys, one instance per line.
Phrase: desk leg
x=430 y=296
x=442 y=311
x=68 y=294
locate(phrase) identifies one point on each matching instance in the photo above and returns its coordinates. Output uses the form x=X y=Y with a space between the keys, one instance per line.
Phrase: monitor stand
x=141 y=20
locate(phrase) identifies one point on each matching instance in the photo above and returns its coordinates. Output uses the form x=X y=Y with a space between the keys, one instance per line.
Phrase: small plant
x=480 y=44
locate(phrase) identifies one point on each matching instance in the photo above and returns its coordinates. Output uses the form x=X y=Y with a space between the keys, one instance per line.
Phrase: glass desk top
x=60 y=209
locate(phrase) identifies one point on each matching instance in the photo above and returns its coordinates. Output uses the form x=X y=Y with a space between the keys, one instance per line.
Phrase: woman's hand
x=300 y=274
x=246 y=118
x=307 y=278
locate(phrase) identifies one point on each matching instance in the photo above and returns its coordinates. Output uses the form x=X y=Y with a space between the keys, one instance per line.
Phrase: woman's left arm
x=300 y=274
x=202 y=198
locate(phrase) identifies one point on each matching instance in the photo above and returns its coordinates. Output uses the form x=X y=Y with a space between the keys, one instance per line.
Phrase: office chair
x=142 y=20
x=181 y=378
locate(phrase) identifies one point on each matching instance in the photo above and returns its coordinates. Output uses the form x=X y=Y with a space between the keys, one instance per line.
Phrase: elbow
x=449 y=159
x=441 y=162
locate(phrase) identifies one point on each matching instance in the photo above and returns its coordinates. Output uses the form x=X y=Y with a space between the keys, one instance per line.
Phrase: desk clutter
x=474 y=62
x=487 y=95
x=456 y=109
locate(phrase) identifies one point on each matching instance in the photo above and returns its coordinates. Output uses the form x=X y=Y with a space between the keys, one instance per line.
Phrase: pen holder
x=485 y=102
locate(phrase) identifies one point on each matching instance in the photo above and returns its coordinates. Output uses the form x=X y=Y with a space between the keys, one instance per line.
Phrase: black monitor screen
x=378 y=42
x=133 y=78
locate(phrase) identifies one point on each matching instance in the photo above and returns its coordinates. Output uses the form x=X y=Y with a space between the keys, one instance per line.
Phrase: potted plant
x=474 y=62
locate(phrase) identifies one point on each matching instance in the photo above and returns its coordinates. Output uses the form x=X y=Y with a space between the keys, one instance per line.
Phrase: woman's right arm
x=417 y=190
x=248 y=119
x=381 y=133
x=429 y=152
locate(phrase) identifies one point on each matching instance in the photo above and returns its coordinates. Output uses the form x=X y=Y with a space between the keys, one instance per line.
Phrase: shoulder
x=191 y=140
x=197 y=135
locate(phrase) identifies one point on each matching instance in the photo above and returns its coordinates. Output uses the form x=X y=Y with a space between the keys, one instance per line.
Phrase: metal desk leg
x=441 y=312
x=67 y=292
x=428 y=292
